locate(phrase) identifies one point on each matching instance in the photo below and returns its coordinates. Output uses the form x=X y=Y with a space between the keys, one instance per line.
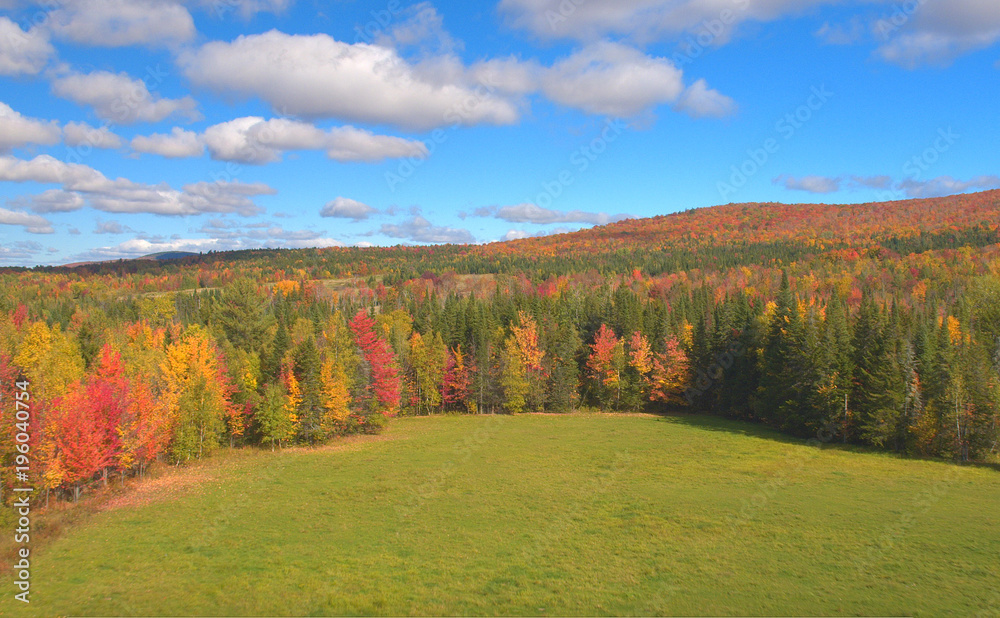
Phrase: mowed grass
x=539 y=514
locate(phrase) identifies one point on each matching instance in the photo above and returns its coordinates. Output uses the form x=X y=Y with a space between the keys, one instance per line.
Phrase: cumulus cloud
x=53 y=200
x=419 y=229
x=316 y=76
x=532 y=213
x=33 y=224
x=23 y=52
x=254 y=140
x=176 y=145
x=83 y=185
x=515 y=235
x=119 y=23
x=17 y=130
x=605 y=78
x=119 y=98
x=612 y=79
x=346 y=208
x=81 y=133
x=810 y=184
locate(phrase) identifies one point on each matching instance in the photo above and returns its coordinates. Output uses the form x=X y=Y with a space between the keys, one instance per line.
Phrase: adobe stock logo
x=787 y=127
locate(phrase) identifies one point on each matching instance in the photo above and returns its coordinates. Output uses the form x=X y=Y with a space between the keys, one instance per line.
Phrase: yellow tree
x=196 y=393
x=522 y=375
x=293 y=399
x=50 y=359
x=336 y=394
x=428 y=359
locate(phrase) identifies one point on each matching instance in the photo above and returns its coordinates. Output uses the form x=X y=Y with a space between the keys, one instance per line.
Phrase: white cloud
x=519 y=234
x=111 y=227
x=178 y=144
x=532 y=213
x=119 y=98
x=23 y=53
x=17 y=130
x=81 y=133
x=643 y=20
x=84 y=185
x=515 y=235
x=119 y=23
x=936 y=32
x=946 y=185
x=232 y=141
x=934 y=187
x=264 y=234
x=255 y=140
x=351 y=144
x=346 y=208
x=810 y=184
x=19 y=252
x=244 y=8
x=907 y=33
x=53 y=200
x=140 y=246
x=419 y=229
x=612 y=79
x=317 y=76
x=420 y=26
x=33 y=224
x=48 y=170
x=699 y=100
x=872 y=182
x=842 y=34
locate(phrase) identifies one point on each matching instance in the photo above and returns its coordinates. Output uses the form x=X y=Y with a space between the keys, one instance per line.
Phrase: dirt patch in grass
x=169 y=485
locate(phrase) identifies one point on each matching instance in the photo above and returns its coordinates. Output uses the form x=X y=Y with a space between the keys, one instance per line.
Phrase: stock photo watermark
x=22 y=488
x=786 y=127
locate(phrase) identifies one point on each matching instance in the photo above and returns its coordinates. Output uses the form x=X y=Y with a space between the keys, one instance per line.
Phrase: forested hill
x=818 y=225
x=875 y=324
x=704 y=238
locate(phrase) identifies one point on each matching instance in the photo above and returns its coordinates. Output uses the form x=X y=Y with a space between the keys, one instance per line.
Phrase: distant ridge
x=167 y=255
x=824 y=227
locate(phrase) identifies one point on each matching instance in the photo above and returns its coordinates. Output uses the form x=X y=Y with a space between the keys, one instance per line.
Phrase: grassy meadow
x=539 y=515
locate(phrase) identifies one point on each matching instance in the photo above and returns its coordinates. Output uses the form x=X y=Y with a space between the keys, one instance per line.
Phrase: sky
x=130 y=127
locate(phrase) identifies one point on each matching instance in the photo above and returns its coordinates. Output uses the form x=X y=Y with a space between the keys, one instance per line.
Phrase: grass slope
x=577 y=514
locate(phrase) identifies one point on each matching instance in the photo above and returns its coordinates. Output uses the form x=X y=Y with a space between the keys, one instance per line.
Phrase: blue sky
x=129 y=127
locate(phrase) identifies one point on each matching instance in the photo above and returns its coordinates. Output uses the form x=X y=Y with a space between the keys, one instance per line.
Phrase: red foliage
x=386 y=379
x=457 y=381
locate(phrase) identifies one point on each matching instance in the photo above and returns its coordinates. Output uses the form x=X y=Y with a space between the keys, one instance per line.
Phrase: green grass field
x=539 y=514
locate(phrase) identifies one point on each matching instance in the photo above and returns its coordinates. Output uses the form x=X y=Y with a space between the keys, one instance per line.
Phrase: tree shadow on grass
x=709 y=422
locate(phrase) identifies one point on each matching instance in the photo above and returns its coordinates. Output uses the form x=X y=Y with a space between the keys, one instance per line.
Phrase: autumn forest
x=873 y=324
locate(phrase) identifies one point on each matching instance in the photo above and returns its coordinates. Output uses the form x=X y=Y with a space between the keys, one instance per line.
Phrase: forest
x=869 y=324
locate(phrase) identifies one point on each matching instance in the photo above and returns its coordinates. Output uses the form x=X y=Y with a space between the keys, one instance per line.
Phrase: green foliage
x=200 y=425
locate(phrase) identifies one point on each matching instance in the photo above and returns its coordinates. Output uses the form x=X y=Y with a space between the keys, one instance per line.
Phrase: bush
x=370 y=424
x=374 y=424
